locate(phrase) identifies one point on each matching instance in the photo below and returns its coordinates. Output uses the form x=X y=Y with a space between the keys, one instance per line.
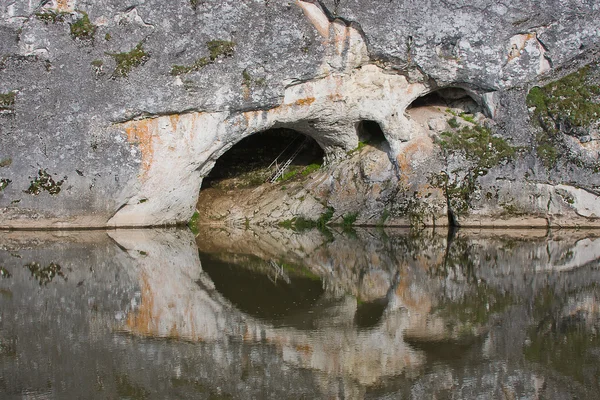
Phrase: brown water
x=267 y=313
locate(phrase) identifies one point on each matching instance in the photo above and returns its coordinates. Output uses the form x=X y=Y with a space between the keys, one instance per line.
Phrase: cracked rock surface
x=129 y=104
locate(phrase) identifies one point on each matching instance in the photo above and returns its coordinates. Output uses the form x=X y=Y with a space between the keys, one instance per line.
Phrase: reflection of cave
x=369 y=314
x=255 y=288
x=250 y=161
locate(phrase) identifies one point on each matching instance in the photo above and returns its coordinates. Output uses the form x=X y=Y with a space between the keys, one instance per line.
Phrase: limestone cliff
x=112 y=112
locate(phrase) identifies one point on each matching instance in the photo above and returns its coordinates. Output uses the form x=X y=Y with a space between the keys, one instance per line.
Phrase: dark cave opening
x=370 y=132
x=256 y=158
x=450 y=97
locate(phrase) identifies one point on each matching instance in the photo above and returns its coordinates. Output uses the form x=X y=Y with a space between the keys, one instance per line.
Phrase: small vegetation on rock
x=220 y=48
x=45 y=275
x=349 y=219
x=5 y=162
x=4 y=183
x=83 y=29
x=185 y=69
x=51 y=16
x=569 y=106
x=43 y=181
x=129 y=60
x=7 y=101
x=193 y=223
x=216 y=48
x=481 y=150
x=301 y=224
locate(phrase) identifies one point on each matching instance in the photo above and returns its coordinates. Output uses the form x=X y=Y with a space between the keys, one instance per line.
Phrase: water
x=265 y=313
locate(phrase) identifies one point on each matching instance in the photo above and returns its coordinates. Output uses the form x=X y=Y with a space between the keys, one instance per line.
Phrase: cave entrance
x=445 y=108
x=257 y=159
x=370 y=132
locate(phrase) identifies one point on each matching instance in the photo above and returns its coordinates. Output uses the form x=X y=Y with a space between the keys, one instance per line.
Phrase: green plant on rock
x=220 y=48
x=481 y=150
x=7 y=101
x=216 y=48
x=51 y=16
x=310 y=169
x=129 y=60
x=569 y=106
x=4 y=183
x=193 y=222
x=44 y=181
x=566 y=103
x=200 y=63
x=83 y=29
x=349 y=219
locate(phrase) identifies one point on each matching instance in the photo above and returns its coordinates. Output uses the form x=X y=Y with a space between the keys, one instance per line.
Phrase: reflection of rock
x=182 y=304
x=444 y=328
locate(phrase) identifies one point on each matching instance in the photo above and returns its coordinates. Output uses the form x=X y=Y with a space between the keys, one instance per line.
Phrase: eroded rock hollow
x=112 y=113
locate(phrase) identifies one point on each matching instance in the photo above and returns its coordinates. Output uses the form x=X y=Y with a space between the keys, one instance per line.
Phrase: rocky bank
x=112 y=112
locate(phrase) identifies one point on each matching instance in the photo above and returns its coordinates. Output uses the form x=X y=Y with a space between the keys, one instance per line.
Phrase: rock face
x=111 y=112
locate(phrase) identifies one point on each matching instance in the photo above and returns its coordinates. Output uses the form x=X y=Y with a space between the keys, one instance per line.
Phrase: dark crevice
x=250 y=162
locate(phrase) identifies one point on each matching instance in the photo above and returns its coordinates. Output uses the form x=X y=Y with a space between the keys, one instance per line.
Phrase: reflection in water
x=280 y=314
x=268 y=290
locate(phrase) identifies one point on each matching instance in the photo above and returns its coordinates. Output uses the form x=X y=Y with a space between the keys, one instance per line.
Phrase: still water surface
x=276 y=314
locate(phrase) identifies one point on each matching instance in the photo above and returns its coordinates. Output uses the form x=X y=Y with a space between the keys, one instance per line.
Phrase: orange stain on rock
x=141 y=133
x=143 y=321
x=305 y=102
x=64 y=5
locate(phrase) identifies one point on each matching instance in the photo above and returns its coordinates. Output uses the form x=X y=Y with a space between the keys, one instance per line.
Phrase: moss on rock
x=129 y=60
x=83 y=29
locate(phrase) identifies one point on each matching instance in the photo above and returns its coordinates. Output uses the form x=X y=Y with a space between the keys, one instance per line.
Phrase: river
x=266 y=313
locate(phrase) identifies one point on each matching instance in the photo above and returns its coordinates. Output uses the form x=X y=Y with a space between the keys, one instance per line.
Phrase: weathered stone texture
x=132 y=111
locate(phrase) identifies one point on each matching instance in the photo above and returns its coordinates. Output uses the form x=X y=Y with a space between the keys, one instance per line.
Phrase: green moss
x=546 y=150
x=5 y=162
x=478 y=145
x=349 y=219
x=358 y=148
x=83 y=29
x=186 y=69
x=468 y=117
x=7 y=101
x=193 y=223
x=107 y=37
x=43 y=181
x=129 y=60
x=289 y=175
x=569 y=100
x=247 y=78
x=453 y=123
x=482 y=150
x=97 y=63
x=216 y=48
x=51 y=16
x=4 y=183
x=568 y=105
x=220 y=48
x=302 y=224
x=310 y=169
